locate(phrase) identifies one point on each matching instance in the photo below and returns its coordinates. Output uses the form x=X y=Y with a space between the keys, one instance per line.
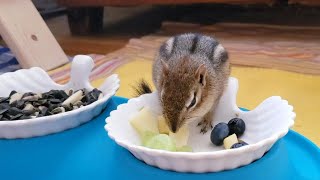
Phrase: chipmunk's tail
x=142 y=87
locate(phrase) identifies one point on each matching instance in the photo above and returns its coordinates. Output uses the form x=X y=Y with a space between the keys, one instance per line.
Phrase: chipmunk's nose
x=174 y=127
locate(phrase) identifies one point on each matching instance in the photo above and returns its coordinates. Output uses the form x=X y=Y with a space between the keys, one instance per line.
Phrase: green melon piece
x=146 y=136
x=161 y=141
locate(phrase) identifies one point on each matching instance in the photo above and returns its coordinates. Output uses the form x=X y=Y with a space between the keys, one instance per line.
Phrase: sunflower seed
x=55 y=101
x=78 y=103
x=100 y=96
x=58 y=110
x=41 y=102
x=16 y=117
x=24 y=117
x=69 y=92
x=36 y=113
x=52 y=106
x=39 y=95
x=28 y=94
x=12 y=93
x=74 y=98
x=31 y=98
x=3 y=110
x=3 y=99
x=14 y=111
x=28 y=112
x=44 y=110
x=18 y=104
x=28 y=107
x=15 y=97
x=67 y=107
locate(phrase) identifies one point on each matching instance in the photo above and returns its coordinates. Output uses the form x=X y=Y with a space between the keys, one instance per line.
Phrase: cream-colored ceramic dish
x=265 y=124
x=37 y=80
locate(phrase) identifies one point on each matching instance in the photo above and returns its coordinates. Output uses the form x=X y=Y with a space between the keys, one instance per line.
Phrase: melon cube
x=146 y=136
x=181 y=137
x=162 y=125
x=229 y=141
x=161 y=141
x=144 y=121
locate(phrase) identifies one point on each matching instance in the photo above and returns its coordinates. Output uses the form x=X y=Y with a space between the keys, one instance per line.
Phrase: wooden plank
x=28 y=37
x=77 y=3
x=305 y=2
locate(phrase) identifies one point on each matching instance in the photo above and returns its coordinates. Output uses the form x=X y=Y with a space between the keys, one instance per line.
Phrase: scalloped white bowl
x=38 y=81
x=265 y=124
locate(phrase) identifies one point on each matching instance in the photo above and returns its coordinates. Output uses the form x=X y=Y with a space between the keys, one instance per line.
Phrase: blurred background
x=117 y=21
x=274 y=45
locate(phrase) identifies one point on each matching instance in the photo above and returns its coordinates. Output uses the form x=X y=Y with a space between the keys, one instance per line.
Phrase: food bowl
x=38 y=81
x=266 y=124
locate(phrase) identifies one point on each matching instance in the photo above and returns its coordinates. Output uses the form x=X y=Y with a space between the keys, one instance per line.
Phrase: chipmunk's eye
x=194 y=100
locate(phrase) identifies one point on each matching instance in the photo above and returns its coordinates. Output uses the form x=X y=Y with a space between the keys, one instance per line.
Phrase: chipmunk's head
x=182 y=92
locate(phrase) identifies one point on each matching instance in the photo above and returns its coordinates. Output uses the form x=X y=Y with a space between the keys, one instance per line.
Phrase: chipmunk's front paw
x=205 y=125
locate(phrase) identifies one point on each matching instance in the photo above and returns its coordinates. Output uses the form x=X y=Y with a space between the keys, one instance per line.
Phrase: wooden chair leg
x=85 y=20
x=28 y=36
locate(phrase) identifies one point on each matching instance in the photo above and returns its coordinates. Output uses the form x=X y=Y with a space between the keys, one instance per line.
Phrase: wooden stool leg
x=85 y=20
x=28 y=36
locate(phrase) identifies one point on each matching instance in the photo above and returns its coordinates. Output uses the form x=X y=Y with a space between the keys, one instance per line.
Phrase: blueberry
x=240 y=141
x=219 y=132
x=237 y=126
x=239 y=144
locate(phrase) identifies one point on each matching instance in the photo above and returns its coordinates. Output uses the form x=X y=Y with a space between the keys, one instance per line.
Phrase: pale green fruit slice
x=161 y=141
x=181 y=137
x=144 y=121
x=184 y=149
x=146 y=136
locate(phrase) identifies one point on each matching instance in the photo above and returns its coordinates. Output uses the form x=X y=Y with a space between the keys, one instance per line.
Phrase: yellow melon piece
x=162 y=125
x=145 y=121
x=229 y=141
x=181 y=137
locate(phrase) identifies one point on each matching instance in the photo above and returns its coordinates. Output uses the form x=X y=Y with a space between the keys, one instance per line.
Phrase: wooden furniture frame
x=28 y=36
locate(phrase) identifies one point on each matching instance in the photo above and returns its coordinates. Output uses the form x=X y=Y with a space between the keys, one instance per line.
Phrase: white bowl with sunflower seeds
x=36 y=80
x=265 y=124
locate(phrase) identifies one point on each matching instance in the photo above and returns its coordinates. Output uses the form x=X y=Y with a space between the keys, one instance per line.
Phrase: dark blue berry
x=240 y=141
x=219 y=132
x=237 y=126
x=239 y=144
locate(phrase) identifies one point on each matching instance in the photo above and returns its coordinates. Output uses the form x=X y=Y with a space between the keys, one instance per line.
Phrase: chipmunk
x=190 y=73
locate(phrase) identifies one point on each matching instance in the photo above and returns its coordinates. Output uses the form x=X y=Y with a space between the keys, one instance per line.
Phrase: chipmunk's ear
x=220 y=55
x=165 y=67
x=201 y=74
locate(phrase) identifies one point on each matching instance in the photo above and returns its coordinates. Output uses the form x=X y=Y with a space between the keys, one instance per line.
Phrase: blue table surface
x=86 y=152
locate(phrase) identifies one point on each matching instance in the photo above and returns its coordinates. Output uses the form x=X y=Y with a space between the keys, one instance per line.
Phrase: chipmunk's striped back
x=193 y=45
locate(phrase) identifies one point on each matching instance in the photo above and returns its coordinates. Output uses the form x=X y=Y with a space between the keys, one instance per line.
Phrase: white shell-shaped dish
x=265 y=124
x=38 y=81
